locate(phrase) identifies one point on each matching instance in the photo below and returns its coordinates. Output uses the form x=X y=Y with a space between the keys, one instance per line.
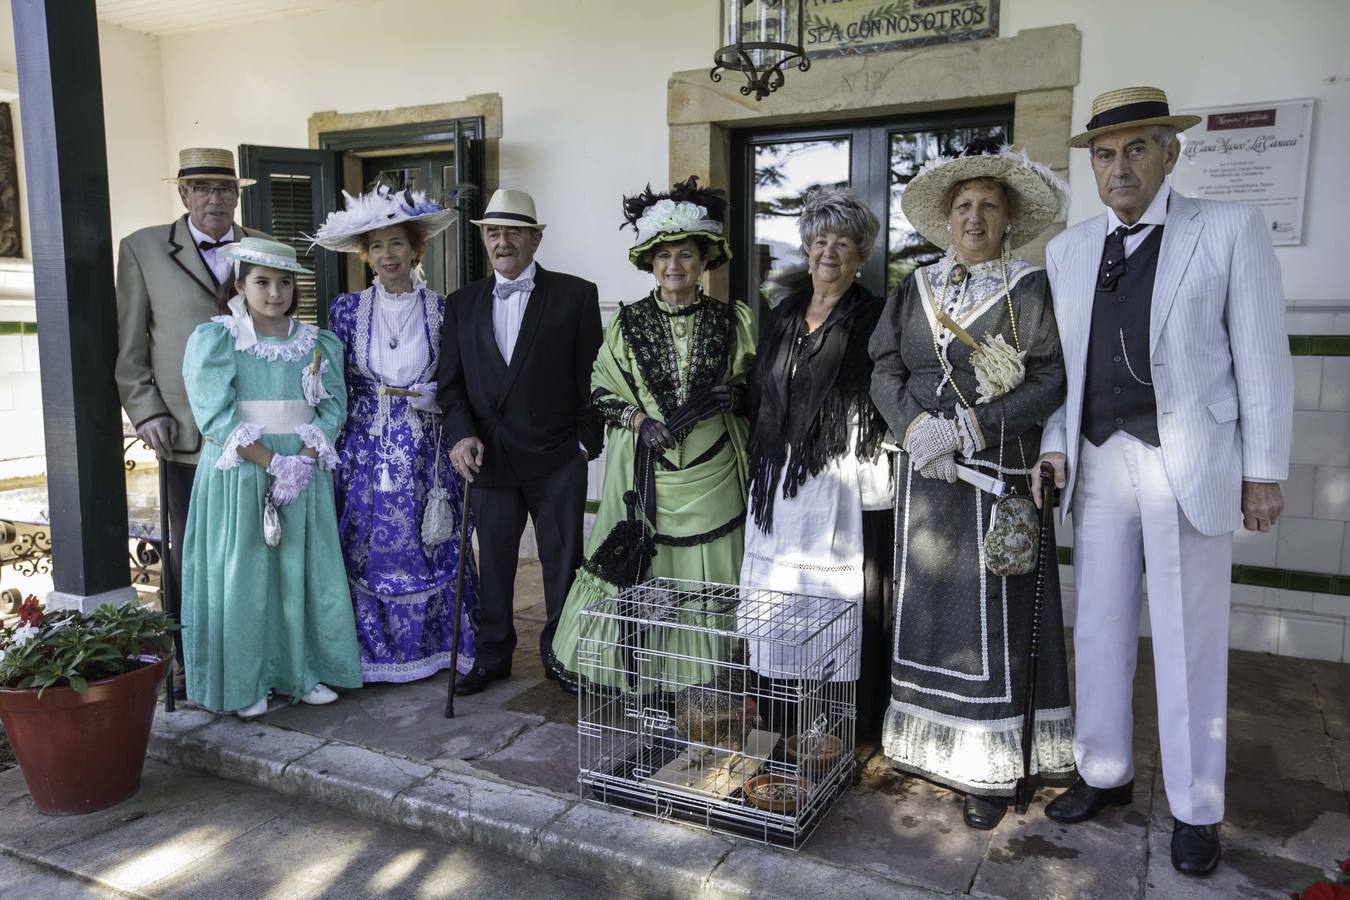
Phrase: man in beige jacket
x=169 y=280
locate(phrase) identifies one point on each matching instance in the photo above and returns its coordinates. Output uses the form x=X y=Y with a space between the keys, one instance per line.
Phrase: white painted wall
x=1223 y=52
x=583 y=86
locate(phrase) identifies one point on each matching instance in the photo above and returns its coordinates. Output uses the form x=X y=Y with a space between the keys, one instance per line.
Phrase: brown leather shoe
x=1082 y=801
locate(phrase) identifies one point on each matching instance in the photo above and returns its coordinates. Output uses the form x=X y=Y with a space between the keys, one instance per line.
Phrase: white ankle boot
x=254 y=710
x=319 y=696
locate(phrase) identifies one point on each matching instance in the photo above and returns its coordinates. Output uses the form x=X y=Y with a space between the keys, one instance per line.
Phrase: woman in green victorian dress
x=681 y=357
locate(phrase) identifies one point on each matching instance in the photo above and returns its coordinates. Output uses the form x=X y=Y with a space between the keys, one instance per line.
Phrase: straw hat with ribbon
x=1039 y=196
x=207 y=164
x=262 y=252
x=382 y=208
x=1131 y=107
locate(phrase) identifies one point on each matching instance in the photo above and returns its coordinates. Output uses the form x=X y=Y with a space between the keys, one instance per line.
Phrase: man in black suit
x=514 y=383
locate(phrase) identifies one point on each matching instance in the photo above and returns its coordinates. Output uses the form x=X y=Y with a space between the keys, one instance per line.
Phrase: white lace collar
x=983 y=282
x=297 y=345
x=383 y=294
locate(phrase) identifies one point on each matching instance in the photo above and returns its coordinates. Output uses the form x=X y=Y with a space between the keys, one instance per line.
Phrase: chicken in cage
x=727 y=707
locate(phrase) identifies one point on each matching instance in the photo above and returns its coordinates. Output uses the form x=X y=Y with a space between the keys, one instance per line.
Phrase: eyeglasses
x=206 y=190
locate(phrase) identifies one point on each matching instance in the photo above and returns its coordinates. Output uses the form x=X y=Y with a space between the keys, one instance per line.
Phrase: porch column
x=61 y=100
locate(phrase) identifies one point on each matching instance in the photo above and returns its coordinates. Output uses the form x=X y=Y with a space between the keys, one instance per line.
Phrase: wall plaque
x=1256 y=153
x=842 y=27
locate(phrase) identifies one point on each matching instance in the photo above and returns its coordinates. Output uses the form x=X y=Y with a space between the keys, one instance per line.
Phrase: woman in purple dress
x=398 y=497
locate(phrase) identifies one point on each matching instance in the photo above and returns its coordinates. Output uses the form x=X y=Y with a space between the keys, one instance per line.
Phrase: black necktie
x=212 y=245
x=1113 y=256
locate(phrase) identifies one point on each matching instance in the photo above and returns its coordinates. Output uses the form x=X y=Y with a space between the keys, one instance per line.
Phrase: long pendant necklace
x=383 y=300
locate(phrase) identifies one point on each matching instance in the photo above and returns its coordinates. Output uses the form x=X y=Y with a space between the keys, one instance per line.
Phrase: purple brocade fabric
x=404 y=592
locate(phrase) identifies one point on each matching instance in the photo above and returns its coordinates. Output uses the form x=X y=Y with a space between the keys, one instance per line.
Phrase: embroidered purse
x=1011 y=541
x=438 y=518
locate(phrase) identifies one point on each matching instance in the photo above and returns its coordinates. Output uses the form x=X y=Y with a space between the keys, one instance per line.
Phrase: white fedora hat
x=512 y=209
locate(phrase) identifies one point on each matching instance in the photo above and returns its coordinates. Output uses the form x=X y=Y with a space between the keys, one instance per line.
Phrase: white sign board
x=1256 y=153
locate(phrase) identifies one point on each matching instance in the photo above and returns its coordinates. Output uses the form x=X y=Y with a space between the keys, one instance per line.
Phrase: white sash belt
x=276 y=416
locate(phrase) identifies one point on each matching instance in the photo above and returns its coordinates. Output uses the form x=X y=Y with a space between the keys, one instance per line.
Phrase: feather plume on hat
x=685 y=211
x=381 y=208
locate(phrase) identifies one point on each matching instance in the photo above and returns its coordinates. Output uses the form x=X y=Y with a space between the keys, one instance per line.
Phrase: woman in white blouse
x=396 y=490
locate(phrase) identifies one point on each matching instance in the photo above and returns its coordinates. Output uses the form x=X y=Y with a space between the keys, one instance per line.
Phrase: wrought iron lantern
x=764 y=38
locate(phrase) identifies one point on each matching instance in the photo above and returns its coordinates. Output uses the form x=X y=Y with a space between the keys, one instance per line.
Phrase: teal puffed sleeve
x=210 y=376
x=330 y=404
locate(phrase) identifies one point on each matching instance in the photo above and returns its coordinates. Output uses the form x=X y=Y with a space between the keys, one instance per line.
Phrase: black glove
x=731 y=398
x=655 y=434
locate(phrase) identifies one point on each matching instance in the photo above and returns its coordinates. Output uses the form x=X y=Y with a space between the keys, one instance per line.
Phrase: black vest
x=1113 y=398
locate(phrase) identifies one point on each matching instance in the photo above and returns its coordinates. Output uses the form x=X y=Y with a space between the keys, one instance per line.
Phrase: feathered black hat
x=686 y=211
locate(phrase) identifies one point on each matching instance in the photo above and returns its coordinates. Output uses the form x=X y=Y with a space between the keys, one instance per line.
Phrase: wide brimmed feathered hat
x=687 y=211
x=1040 y=195
x=381 y=208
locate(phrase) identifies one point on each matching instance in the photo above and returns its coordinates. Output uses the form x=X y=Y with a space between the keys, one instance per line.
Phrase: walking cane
x=1023 y=790
x=459 y=601
x=165 y=581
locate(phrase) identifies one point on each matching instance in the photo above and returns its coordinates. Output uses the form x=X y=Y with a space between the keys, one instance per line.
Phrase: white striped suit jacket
x=1220 y=356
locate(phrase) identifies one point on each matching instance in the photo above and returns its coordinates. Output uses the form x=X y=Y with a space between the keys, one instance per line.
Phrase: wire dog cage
x=725 y=707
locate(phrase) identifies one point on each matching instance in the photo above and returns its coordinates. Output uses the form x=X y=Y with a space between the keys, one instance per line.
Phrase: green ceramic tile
x=1330 y=344
x=1259 y=576
x=1309 y=581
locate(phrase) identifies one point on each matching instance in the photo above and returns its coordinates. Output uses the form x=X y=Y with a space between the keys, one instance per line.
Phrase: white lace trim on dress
x=245 y=435
x=316 y=440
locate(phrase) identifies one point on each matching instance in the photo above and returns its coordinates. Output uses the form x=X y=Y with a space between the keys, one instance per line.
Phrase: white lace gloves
x=932 y=443
x=425 y=401
x=292 y=474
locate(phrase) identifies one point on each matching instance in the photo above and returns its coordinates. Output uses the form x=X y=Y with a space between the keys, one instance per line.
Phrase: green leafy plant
x=69 y=648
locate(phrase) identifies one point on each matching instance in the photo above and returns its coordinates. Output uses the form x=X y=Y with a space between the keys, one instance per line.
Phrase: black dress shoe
x=1195 y=848
x=477 y=680
x=983 y=813
x=1082 y=801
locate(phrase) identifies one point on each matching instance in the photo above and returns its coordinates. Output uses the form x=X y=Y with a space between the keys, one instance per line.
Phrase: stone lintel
x=942 y=76
x=489 y=106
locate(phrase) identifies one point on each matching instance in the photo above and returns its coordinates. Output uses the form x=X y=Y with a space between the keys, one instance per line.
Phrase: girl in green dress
x=265 y=599
x=674 y=349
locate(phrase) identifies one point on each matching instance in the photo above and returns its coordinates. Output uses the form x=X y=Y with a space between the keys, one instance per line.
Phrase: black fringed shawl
x=816 y=426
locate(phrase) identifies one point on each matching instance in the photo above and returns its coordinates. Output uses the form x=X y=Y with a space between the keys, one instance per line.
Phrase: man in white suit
x=1175 y=431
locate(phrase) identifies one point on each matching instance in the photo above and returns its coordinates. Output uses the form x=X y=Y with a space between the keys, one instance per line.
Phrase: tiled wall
x=1291 y=591
x=20 y=392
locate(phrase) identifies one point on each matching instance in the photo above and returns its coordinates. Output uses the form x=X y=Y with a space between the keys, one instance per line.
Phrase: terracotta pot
x=79 y=753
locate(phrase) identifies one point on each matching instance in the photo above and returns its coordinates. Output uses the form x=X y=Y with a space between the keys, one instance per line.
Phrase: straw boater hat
x=687 y=211
x=1040 y=196
x=207 y=164
x=262 y=252
x=381 y=208
x=510 y=209
x=1131 y=107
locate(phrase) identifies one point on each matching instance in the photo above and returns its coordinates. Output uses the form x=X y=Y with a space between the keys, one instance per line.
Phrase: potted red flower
x=77 y=696
x=1335 y=888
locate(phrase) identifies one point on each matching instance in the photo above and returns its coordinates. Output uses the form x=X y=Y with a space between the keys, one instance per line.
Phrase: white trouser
x=1125 y=515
